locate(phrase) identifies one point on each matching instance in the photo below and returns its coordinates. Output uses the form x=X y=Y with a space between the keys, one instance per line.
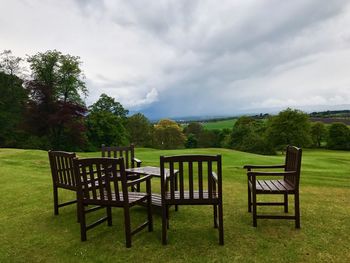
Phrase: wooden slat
x=271 y=186
x=210 y=182
x=172 y=179
x=200 y=179
x=60 y=169
x=92 y=182
x=67 y=170
x=264 y=186
x=181 y=179
x=115 y=180
x=99 y=181
x=85 y=182
x=126 y=161
x=286 y=184
x=190 y=178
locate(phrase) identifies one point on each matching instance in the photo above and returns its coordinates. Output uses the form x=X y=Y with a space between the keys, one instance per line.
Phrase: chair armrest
x=140 y=180
x=263 y=166
x=214 y=176
x=253 y=174
x=137 y=161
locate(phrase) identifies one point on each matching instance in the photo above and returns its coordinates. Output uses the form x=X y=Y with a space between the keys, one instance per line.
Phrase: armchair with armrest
x=286 y=183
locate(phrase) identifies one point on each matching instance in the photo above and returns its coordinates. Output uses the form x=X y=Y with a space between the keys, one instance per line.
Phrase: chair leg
x=167 y=217
x=164 y=225
x=221 y=225
x=297 y=210
x=82 y=222
x=127 y=225
x=109 y=215
x=78 y=209
x=286 y=203
x=149 y=213
x=215 y=207
x=55 y=200
x=254 y=210
x=249 y=199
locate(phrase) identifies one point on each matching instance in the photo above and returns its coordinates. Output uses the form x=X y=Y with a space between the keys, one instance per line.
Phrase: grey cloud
x=174 y=58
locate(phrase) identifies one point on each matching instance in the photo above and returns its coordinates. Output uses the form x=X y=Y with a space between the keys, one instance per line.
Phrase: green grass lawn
x=213 y=125
x=29 y=232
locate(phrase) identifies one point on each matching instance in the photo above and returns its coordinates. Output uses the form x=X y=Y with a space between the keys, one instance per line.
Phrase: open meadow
x=219 y=125
x=29 y=231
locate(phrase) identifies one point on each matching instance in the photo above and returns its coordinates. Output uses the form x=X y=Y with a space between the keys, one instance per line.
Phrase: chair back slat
x=190 y=178
x=172 y=181
x=98 y=180
x=293 y=163
x=62 y=171
x=200 y=180
x=210 y=181
x=68 y=172
x=127 y=152
x=181 y=180
x=194 y=173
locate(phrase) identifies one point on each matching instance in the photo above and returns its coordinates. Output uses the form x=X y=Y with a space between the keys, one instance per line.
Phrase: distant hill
x=211 y=123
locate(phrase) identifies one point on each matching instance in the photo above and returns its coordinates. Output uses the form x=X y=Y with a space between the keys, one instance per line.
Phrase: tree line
x=45 y=109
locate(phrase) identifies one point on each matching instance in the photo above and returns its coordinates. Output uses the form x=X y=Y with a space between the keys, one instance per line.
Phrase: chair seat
x=273 y=186
x=191 y=200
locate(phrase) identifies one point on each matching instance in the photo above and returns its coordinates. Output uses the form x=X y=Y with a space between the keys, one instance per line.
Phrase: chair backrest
x=62 y=170
x=293 y=163
x=127 y=152
x=98 y=181
x=198 y=176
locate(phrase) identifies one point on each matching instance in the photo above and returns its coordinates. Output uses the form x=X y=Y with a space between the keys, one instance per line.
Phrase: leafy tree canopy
x=289 y=127
x=139 y=128
x=318 y=133
x=194 y=128
x=56 y=109
x=108 y=104
x=338 y=137
x=168 y=135
x=60 y=73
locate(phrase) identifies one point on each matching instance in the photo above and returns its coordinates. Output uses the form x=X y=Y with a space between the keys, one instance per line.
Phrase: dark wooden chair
x=199 y=183
x=95 y=188
x=128 y=153
x=62 y=172
x=287 y=184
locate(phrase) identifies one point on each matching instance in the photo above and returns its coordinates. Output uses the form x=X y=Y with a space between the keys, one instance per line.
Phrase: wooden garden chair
x=286 y=183
x=95 y=188
x=62 y=172
x=128 y=154
x=200 y=183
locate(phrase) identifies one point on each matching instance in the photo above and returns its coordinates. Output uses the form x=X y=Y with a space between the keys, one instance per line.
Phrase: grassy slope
x=31 y=233
x=220 y=124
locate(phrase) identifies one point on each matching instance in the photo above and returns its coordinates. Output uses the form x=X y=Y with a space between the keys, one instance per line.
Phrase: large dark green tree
x=249 y=134
x=338 y=137
x=193 y=132
x=13 y=98
x=56 y=109
x=140 y=130
x=106 y=123
x=289 y=127
x=318 y=133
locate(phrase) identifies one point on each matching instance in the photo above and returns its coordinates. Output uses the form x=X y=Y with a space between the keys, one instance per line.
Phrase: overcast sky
x=189 y=58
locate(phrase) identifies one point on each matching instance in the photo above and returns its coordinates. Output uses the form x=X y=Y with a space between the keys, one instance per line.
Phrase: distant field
x=31 y=233
x=225 y=124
